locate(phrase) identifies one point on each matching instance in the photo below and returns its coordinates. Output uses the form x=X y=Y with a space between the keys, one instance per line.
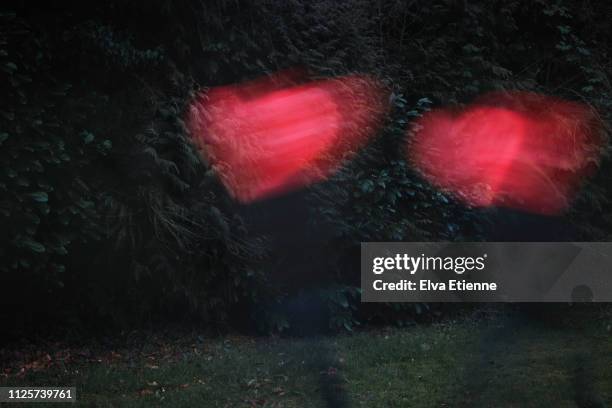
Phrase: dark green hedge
x=109 y=214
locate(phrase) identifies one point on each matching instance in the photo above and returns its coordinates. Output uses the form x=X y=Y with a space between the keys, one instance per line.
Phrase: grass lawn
x=508 y=361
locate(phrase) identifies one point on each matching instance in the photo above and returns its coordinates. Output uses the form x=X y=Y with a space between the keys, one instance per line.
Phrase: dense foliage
x=109 y=213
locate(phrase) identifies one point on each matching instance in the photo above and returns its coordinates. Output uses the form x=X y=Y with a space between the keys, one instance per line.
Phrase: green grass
x=497 y=363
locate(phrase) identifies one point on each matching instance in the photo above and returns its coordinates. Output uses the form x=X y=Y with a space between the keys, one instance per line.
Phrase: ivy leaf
x=10 y=67
x=367 y=186
x=85 y=204
x=88 y=137
x=40 y=197
x=32 y=245
x=342 y=301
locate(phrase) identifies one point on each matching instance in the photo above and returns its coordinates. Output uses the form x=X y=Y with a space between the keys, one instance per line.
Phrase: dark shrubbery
x=109 y=213
x=48 y=203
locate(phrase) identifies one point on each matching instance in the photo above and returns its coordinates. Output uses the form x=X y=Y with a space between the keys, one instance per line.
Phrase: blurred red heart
x=271 y=136
x=519 y=150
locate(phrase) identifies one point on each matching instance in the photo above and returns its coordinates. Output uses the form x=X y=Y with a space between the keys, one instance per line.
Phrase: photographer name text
x=427 y=285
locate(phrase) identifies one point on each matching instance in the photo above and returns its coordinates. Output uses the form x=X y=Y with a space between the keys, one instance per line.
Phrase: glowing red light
x=269 y=136
x=517 y=150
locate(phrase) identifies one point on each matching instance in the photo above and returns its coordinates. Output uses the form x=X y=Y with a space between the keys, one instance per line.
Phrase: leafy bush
x=109 y=212
x=48 y=204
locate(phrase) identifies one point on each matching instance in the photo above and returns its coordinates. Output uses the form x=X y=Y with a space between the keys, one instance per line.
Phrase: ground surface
x=508 y=360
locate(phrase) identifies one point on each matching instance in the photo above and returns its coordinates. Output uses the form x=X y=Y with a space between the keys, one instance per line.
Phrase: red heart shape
x=267 y=137
x=519 y=150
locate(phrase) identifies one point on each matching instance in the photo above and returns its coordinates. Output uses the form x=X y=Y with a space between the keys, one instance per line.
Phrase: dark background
x=110 y=217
